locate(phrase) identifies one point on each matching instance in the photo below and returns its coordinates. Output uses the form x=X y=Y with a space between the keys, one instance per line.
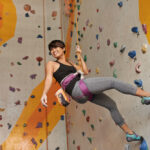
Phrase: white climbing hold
x=137 y=68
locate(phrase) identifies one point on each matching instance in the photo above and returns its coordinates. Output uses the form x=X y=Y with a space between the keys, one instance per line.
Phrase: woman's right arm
x=48 y=82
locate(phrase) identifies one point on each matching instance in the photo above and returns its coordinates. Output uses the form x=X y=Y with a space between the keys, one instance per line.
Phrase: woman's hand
x=44 y=100
x=78 y=52
x=78 y=49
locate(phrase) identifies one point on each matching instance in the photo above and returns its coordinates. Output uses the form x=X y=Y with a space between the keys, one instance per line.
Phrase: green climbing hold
x=92 y=126
x=90 y=139
x=115 y=44
x=78 y=32
x=90 y=47
x=114 y=73
x=85 y=58
x=84 y=112
x=19 y=63
x=74 y=142
x=78 y=7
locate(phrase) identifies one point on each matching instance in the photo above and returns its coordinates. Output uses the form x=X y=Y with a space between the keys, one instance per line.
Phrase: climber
x=90 y=89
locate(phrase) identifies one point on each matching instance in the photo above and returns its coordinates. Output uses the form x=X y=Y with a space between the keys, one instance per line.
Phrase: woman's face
x=57 y=52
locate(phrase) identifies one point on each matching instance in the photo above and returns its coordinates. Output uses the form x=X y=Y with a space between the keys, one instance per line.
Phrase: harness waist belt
x=82 y=85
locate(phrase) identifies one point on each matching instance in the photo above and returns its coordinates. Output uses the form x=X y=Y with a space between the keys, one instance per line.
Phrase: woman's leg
x=99 y=84
x=105 y=101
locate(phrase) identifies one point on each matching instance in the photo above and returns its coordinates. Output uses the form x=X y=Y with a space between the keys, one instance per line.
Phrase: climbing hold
x=12 y=89
x=39 y=125
x=84 y=28
x=48 y=28
x=97 y=36
x=2 y=109
x=33 y=76
x=73 y=142
x=78 y=147
x=87 y=118
x=92 y=126
x=115 y=44
x=123 y=47
x=20 y=40
x=34 y=142
x=98 y=46
x=27 y=7
x=83 y=133
x=62 y=117
x=32 y=96
x=18 y=102
x=132 y=54
x=139 y=83
x=114 y=73
x=144 y=27
x=57 y=148
x=90 y=139
x=19 y=63
x=135 y=30
x=111 y=63
x=54 y=13
x=39 y=59
x=137 y=68
x=143 y=145
x=24 y=125
x=87 y=22
x=91 y=47
x=39 y=36
x=5 y=44
x=144 y=48
x=27 y=15
x=39 y=109
x=97 y=70
x=85 y=58
x=84 y=112
x=100 y=29
x=41 y=141
x=9 y=125
x=120 y=4
x=71 y=33
x=0 y=117
x=25 y=58
x=32 y=11
x=108 y=42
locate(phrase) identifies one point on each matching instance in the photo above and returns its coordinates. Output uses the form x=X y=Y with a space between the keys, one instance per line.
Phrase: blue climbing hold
x=132 y=54
x=120 y=4
x=135 y=30
x=143 y=145
x=139 y=82
x=97 y=36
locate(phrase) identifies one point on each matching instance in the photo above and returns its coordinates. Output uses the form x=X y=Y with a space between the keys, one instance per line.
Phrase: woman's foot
x=133 y=137
x=145 y=100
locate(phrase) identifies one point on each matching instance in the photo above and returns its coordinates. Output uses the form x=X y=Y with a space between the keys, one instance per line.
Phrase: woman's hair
x=55 y=44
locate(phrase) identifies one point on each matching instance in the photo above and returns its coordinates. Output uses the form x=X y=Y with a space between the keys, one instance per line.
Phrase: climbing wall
x=114 y=37
x=26 y=28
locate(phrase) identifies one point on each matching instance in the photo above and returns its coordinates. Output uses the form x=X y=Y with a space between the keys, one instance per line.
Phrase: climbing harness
x=63 y=98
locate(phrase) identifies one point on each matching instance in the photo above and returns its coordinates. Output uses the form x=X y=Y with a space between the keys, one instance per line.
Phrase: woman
x=81 y=90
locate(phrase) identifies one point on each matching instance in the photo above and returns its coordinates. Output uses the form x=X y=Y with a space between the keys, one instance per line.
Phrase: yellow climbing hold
x=144 y=48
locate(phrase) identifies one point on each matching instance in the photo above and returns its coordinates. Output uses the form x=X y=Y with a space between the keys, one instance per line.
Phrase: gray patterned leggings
x=96 y=86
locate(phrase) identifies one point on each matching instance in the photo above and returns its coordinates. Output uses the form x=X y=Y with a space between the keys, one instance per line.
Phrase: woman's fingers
x=44 y=100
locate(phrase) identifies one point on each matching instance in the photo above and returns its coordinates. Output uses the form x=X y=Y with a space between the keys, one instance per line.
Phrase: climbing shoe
x=133 y=137
x=145 y=100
